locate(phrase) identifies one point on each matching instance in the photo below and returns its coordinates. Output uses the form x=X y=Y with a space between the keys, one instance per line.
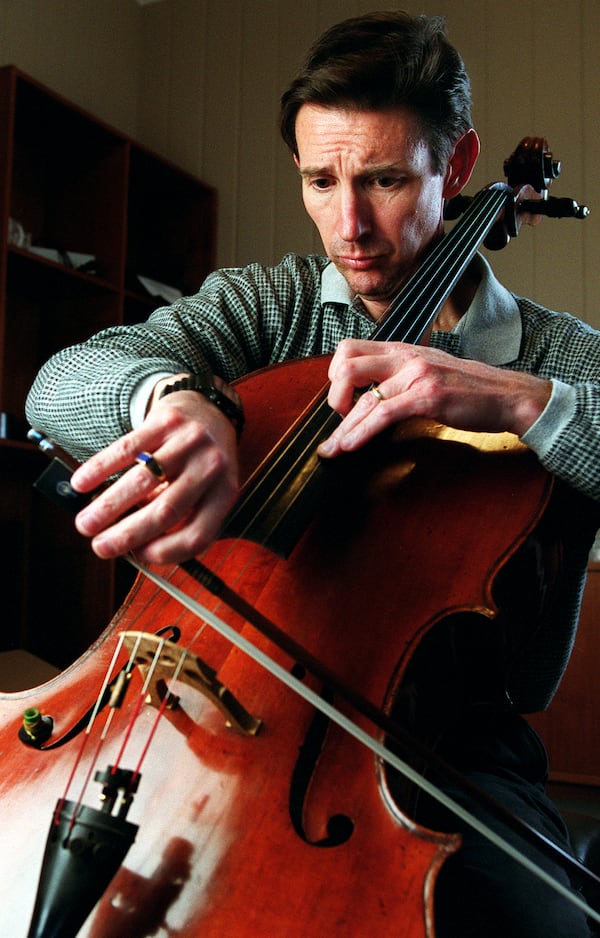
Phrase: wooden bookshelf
x=74 y=186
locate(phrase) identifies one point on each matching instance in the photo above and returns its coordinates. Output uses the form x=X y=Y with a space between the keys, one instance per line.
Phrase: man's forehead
x=375 y=140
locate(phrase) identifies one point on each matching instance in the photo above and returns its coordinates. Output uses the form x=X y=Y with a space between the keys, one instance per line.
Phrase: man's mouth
x=362 y=262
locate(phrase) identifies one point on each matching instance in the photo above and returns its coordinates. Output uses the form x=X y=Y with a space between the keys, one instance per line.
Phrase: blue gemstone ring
x=148 y=460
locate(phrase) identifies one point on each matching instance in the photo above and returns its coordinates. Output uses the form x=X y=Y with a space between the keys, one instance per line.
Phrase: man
x=378 y=122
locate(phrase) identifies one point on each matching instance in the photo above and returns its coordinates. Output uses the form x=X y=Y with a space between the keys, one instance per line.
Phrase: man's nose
x=354 y=220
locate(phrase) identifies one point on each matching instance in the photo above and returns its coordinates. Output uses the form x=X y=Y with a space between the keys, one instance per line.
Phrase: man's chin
x=364 y=282
x=370 y=289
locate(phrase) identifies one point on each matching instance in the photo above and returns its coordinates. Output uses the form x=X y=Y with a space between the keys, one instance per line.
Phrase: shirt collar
x=334 y=287
x=490 y=331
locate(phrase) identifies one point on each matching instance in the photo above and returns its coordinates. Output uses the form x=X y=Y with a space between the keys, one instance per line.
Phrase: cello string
x=275 y=669
x=87 y=733
x=105 y=730
x=114 y=703
x=139 y=701
x=158 y=717
x=167 y=697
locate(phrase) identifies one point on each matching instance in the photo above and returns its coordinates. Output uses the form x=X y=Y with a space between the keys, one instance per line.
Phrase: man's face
x=369 y=186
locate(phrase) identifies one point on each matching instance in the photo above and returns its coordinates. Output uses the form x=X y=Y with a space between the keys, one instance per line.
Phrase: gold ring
x=377 y=393
x=148 y=460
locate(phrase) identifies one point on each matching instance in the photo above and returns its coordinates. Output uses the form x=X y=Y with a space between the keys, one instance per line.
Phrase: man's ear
x=462 y=163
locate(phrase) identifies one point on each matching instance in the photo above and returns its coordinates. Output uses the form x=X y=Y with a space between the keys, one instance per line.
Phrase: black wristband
x=193 y=383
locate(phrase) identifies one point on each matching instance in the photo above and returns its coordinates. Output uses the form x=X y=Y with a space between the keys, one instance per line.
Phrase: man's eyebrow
x=379 y=169
x=313 y=171
x=384 y=169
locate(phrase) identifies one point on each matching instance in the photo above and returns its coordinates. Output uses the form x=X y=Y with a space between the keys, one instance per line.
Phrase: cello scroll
x=530 y=171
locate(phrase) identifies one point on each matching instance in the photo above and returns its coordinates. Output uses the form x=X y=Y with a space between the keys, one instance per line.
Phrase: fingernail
x=102 y=547
x=327 y=447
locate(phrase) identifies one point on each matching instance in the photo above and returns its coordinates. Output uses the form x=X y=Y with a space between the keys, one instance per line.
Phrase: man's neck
x=459 y=300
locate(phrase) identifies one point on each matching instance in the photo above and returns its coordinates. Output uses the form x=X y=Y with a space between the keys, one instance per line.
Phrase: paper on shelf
x=155 y=288
x=72 y=259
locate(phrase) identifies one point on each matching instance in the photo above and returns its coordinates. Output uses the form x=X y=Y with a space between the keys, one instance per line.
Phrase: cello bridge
x=163 y=662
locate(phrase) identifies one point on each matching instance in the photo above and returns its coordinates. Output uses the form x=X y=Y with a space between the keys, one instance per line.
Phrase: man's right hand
x=170 y=520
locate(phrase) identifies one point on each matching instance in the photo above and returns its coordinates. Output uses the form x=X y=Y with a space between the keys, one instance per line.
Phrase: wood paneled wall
x=199 y=81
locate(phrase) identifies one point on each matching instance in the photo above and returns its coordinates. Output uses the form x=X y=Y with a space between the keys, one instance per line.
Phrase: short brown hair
x=385 y=60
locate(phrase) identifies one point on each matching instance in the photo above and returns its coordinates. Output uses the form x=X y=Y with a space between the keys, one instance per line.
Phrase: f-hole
x=339 y=827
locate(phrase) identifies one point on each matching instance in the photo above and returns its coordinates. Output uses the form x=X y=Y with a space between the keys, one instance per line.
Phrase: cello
x=235 y=793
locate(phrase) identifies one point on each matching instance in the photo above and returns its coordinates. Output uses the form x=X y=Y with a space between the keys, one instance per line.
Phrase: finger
x=106 y=463
x=114 y=535
x=118 y=456
x=188 y=538
x=129 y=491
x=364 y=421
x=361 y=372
x=171 y=527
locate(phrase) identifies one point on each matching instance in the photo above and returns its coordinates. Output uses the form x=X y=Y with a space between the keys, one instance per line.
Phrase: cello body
x=290 y=830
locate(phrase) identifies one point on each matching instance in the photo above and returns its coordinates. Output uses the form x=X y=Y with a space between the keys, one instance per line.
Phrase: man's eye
x=385 y=182
x=321 y=183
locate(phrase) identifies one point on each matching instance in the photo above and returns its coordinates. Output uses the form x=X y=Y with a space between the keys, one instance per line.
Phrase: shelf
x=51 y=274
x=70 y=183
